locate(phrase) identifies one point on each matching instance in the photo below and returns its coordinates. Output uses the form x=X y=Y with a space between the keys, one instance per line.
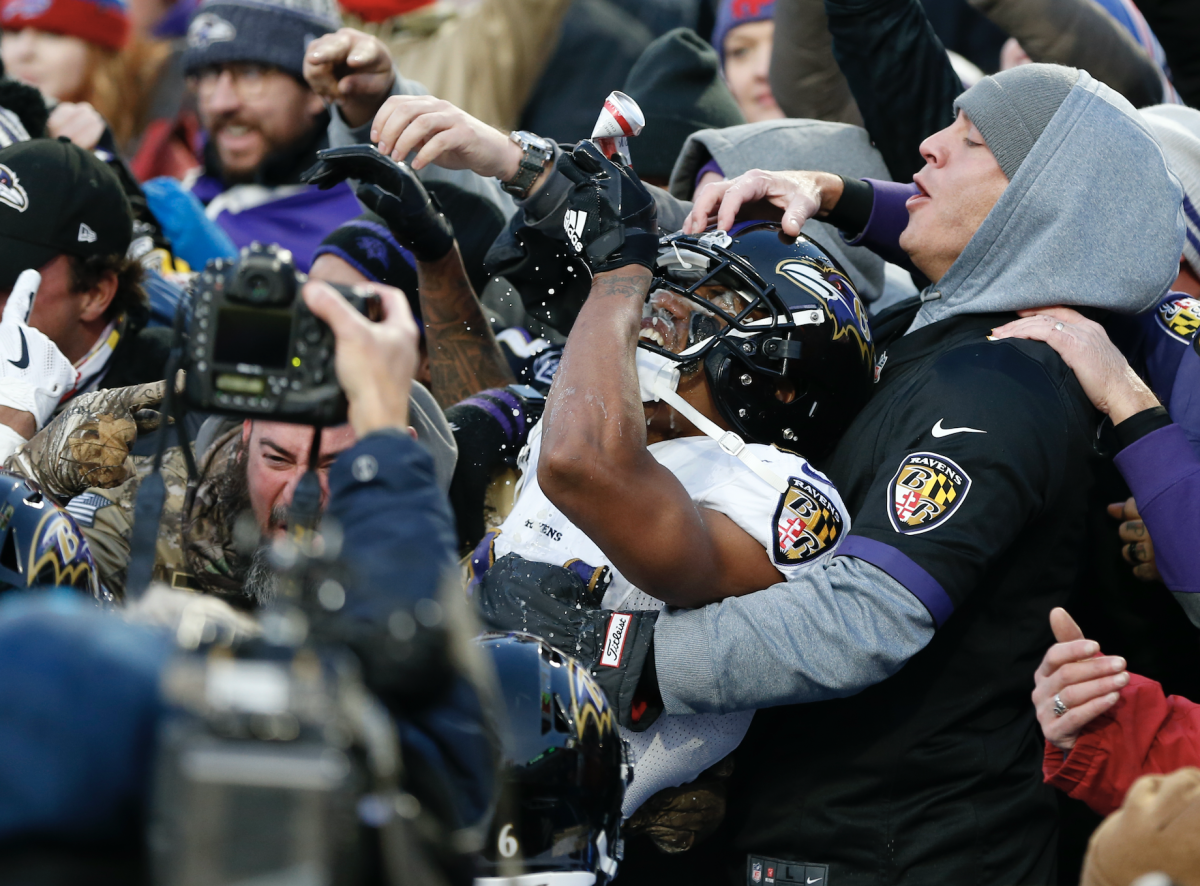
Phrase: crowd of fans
x=791 y=427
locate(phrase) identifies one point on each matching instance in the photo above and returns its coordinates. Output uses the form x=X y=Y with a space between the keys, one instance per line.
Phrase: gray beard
x=262 y=582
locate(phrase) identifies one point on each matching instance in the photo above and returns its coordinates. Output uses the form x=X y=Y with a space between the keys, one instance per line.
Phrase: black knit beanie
x=677 y=83
x=366 y=244
x=1012 y=109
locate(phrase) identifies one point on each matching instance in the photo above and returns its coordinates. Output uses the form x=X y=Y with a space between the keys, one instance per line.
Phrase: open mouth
x=658 y=330
x=916 y=198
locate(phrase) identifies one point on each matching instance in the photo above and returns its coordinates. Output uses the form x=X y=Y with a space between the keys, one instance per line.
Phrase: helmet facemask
x=773 y=359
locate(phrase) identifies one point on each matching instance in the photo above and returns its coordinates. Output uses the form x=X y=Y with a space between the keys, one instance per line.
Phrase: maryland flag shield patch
x=1180 y=317
x=925 y=492
x=807 y=523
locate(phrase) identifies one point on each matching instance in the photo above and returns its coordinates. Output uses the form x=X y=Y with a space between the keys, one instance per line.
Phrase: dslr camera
x=255 y=350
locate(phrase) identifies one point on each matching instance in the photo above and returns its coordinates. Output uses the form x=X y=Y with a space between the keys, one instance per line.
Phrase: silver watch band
x=536 y=152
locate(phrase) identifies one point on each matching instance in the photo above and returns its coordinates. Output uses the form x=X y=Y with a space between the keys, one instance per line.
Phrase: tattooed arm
x=464 y=358
x=595 y=467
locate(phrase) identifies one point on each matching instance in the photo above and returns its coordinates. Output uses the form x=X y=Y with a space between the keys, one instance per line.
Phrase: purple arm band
x=1163 y=473
x=710 y=166
x=899 y=566
x=889 y=218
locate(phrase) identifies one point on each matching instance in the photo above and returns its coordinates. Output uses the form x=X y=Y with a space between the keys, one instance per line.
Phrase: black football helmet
x=795 y=323
x=40 y=543
x=563 y=775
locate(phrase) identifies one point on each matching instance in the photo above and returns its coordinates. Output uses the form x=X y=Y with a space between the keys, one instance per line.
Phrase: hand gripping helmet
x=563 y=774
x=795 y=324
x=40 y=544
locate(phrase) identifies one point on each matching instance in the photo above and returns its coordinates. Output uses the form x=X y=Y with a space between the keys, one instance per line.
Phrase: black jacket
x=141 y=354
x=967 y=477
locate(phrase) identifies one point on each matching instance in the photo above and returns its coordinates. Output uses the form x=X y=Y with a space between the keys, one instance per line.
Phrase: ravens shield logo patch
x=1180 y=317
x=807 y=524
x=925 y=492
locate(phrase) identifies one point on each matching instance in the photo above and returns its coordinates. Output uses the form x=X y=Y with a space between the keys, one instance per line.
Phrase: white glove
x=34 y=375
x=655 y=370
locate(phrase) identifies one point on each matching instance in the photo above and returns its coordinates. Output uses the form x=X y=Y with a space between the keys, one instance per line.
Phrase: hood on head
x=1091 y=218
x=793 y=144
x=433 y=433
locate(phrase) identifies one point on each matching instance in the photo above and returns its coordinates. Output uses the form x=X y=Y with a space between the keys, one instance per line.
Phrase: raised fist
x=88 y=444
x=611 y=219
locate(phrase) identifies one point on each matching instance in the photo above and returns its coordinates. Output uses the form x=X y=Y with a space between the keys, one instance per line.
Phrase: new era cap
x=57 y=198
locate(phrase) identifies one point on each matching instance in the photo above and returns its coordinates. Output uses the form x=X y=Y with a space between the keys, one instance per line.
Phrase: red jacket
x=1144 y=733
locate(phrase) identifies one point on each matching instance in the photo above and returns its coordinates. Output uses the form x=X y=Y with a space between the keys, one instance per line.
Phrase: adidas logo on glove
x=574 y=222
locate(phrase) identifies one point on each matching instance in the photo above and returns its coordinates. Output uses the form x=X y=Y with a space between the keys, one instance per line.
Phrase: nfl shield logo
x=925 y=492
x=756 y=872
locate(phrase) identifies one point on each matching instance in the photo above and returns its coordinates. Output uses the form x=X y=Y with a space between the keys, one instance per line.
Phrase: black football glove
x=611 y=219
x=390 y=190
x=561 y=605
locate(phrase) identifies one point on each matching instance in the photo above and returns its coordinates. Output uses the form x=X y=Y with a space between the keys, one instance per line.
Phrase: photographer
x=76 y=761
x=251 y=465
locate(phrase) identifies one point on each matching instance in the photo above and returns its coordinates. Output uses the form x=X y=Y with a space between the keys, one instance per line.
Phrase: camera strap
x=305 y=512
x=152 y=491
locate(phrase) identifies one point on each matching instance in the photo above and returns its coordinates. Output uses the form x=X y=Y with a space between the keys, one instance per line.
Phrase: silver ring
x=1058 y=326
x=1059 y=707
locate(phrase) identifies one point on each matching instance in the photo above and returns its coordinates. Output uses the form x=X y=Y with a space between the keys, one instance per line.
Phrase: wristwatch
x=536 y=153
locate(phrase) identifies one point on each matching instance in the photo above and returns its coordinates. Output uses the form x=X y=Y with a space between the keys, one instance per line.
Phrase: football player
x=670 y=465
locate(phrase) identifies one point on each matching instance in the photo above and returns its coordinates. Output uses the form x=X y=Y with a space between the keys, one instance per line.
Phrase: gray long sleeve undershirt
x=830 y=632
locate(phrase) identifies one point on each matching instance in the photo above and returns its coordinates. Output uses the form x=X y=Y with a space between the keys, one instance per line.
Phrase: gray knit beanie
x=269 y=32
x=1012 y=109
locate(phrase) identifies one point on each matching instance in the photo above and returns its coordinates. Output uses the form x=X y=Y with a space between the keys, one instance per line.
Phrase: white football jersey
x=797 y=529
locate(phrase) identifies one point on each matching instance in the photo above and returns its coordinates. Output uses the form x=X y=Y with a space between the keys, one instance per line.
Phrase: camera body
x=255 y=350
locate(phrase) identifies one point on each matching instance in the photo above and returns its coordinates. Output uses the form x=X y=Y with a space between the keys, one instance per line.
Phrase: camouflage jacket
x=91 y=442
x=193 y=547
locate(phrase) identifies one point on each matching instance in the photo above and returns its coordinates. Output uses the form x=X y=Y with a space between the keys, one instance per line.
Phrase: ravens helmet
x=563 y=773
x=776 y=324
x=40 y=543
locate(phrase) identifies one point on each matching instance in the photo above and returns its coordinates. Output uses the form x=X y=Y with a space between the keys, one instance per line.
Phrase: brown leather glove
x=676 y=819
x=88 y=443
x=1157 y=828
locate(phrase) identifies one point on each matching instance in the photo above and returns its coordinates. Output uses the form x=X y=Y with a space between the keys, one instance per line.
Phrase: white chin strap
x=658 y=377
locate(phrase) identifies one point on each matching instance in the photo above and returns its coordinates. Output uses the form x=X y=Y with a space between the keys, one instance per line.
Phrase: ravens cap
x=56 y=198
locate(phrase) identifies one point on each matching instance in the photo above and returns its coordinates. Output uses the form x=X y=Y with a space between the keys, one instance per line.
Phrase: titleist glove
x=88 y=443
x=611 y=219
x=34 y=375
x=561 y=605
x=390 y=190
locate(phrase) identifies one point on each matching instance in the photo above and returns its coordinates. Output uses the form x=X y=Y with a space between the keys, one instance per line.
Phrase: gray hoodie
x=792 y=144
x=1092 y=217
